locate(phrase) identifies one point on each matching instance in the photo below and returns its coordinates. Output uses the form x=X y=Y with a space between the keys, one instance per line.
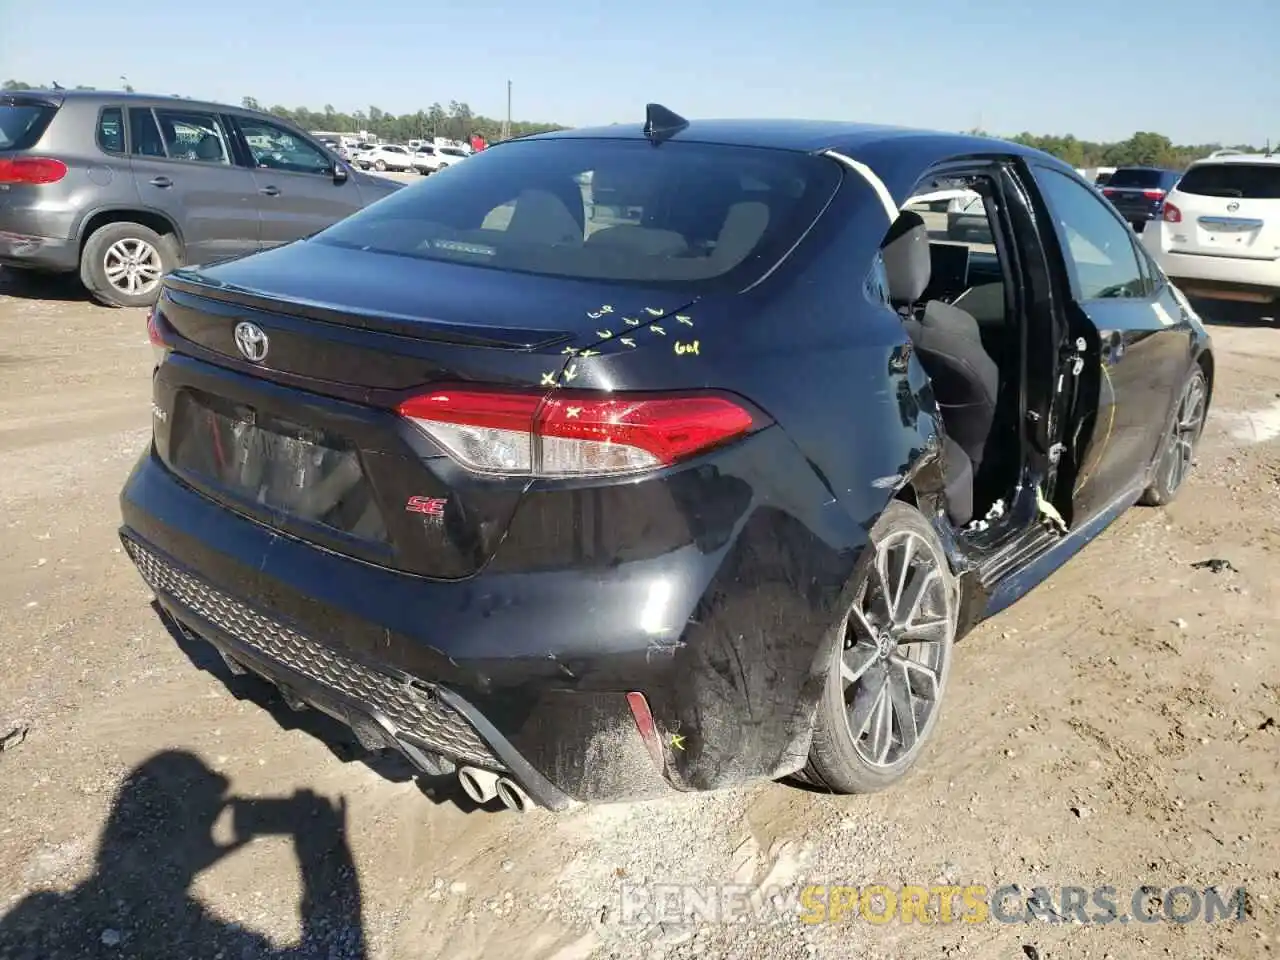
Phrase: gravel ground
x=1119 y=726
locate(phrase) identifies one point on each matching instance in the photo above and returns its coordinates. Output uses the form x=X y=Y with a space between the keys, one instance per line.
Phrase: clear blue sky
x=1196 y=70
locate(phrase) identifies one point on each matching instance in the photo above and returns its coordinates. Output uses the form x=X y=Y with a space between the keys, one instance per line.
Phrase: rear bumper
x=525 y=673
x=30 y=252
x=1225 y=272
x=425 y=723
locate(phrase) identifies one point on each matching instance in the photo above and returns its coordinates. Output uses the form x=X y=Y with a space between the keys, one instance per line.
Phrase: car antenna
x=58 y=86
x=661 y=124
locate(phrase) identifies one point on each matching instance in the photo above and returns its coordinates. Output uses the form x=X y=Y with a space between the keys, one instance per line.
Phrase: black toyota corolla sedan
x=657 y=457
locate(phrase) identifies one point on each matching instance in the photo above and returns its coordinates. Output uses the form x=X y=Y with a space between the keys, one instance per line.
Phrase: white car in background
x=967 y=218
x=1218 y=235
x=387 y=156
x=429 y=158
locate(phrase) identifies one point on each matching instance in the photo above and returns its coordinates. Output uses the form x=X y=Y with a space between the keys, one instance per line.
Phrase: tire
x=380 y=165
x=108 y=249
x=1178 y=448
x=838 y=761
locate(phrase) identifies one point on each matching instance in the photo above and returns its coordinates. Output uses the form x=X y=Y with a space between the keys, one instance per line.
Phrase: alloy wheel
x=897 y=641
x=1187 y=424
x=133 y=266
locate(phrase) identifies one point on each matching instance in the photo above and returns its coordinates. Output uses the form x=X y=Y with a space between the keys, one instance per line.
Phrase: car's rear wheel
x=1177 y=453
x=891 y=660
x=380 y=165
x=122 y=264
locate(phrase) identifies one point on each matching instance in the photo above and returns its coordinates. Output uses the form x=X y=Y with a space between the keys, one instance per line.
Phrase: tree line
x=1141 y=149
x=457 y=121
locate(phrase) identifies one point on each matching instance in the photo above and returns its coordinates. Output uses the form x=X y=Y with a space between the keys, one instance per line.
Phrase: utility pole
x=506 y=127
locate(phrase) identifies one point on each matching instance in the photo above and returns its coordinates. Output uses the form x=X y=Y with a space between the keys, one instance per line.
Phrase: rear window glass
x=1246 y=181
x=23 y=122
x=111 y=130
x=1143 y=179
x=683 y=214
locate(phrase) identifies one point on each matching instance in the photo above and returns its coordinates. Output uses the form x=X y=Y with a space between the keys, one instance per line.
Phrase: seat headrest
x=208 y=147
x=907 y=264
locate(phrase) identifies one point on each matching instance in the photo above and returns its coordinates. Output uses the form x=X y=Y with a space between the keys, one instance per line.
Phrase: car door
x=181 y=160
x=301 y=189
x=1134 y=349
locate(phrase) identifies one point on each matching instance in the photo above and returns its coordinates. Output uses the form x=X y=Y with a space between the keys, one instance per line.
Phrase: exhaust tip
x=480 y=786
x=513 y=796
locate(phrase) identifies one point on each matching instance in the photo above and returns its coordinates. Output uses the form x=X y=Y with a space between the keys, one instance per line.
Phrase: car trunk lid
x=306 y=438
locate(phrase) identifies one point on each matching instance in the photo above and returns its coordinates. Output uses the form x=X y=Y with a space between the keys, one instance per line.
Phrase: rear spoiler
x=28 y=98
x=183 y=284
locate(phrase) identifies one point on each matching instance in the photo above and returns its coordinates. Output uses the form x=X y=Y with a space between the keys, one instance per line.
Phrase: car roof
x=1240 y=158
x=798 y=135
x=898 y=156
x=138 y=99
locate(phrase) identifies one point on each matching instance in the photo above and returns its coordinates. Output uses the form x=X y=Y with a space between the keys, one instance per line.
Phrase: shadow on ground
x=1230 y=313
x=158 y=837
x=28 y=285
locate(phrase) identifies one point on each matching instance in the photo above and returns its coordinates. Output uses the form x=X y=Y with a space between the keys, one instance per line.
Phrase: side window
x=193 y=136
x=146 y=135
x=1099 y=248
x=111 y=130
x=275 y=148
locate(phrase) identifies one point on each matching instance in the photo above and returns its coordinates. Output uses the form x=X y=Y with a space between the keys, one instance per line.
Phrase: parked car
x=122 y=188
x=1219 y=233
x=581 y=512
x=967 y=218
x=425 y=160
x=429 y=159
x=360 y=149
x=387 y=156
x=1139 y=193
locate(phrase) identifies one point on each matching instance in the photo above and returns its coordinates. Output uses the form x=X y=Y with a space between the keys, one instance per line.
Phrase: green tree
x=250 y=103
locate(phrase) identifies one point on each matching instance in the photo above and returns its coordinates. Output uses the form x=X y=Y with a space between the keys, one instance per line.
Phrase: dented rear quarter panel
x=852 y=414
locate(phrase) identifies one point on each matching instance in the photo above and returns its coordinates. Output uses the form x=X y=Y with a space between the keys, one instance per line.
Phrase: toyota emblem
x=1232 y=207
x=252 y=341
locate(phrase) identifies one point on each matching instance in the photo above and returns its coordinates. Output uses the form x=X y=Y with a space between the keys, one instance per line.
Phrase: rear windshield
x=1247 y=181
x=682 y=214
x=23 y=122
x=1141 y=179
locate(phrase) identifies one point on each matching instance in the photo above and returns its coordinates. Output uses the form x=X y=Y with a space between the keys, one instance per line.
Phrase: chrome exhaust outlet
x=513 y=796
x=480 y=785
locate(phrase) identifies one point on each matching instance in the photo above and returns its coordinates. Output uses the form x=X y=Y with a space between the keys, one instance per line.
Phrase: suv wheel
x=122 y=264
x=891 y=660
x=380 y=165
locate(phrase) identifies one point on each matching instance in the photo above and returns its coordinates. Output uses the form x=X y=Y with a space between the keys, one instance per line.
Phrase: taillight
x=1153 y=194
x=32 y=170
x=1108 y=193
x=1172 y=214
x=158 y=345
x=574 y=433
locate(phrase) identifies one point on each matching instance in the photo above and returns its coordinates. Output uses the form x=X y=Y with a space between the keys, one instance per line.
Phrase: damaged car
x=694 y=487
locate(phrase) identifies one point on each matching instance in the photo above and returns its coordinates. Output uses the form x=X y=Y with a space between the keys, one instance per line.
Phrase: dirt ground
x=1120 y=726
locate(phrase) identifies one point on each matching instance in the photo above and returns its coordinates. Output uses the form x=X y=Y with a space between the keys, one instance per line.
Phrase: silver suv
x=123 y=187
